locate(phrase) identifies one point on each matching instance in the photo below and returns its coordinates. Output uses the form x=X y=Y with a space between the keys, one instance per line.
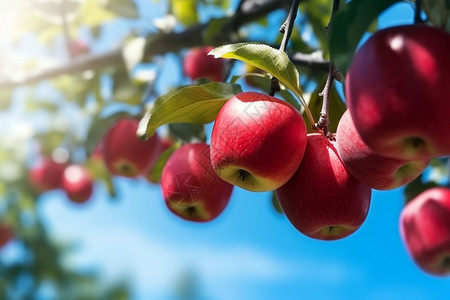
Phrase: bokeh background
x=132 y=245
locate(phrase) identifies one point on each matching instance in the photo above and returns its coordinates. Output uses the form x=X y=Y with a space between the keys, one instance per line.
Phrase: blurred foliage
x=77 y=107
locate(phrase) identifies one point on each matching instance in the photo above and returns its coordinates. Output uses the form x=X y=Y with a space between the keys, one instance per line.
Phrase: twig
x=324 y=120
x=286 y=29
x=417 y=12
x=158 y=44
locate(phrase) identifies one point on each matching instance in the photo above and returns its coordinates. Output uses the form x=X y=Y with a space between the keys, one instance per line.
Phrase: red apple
x=46 y=175
x=396 y=89
x=198 y=64
x=323 y=200
x=6 y=235
x=124 y=153
x=257 y=141
x=378 y=172
x=190 y=187
x=77 y=183
x=425 y=230
x=79 y=47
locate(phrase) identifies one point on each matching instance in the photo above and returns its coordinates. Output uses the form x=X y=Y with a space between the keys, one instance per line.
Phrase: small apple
x=77 y=183
x=190 y=187
x=378 y=172
x=425 y=230
x=198 y=64
x=124 y=153
x=79 y=47
x=6 y=235
x=396 y=90
x=46 y=175
x=257 y=141
x=323 y=200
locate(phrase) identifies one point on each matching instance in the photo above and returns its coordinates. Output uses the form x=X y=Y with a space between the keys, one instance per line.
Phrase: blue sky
x=248 y=252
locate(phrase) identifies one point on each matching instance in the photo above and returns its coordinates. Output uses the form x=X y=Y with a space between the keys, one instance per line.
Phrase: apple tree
x=89 y=81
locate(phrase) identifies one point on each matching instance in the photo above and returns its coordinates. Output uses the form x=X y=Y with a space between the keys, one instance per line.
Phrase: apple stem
x=417 y=12
x=324 y=120
x=286 y=29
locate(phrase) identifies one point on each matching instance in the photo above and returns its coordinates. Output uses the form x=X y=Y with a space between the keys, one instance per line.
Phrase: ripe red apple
x=6 y=234
x=198 y=64
x=425 y=230
x=46 y=175
x=378 y=172
x=190 y=187
x=396 y=89
x=323 y=200
x=124 y=153
x=77 y=183
x=257 y=141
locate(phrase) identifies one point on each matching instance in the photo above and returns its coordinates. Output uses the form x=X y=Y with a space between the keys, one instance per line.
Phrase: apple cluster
x=74 y=179
x=396 y=92
x=397 y=96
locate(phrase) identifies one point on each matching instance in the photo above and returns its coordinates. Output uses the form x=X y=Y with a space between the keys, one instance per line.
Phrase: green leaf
x=187 y=132
x=155 y=173
x=99 y=171
x=123 y=8
x=194 y=104
x=92 y=14
x=125 y=90
x=349 y=25
x=275 y=203
x=185 y=11
x=215 y=28
x=5 y=98
x=266 y=58
x=317 y=14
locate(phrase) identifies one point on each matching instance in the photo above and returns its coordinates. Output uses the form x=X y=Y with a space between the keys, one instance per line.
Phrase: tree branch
x=286 y=29
x=161 y=44
x=89 y=62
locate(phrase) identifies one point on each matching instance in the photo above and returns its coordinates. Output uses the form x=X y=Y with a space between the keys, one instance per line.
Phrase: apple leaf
x=194 y=104
x=275 y=203
x=187 y=132
x=349 y=25
x=266 y=58
x=99 y=171
x=5 y=98
x=185 y=11
x=156 y=172
x=123 y=8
